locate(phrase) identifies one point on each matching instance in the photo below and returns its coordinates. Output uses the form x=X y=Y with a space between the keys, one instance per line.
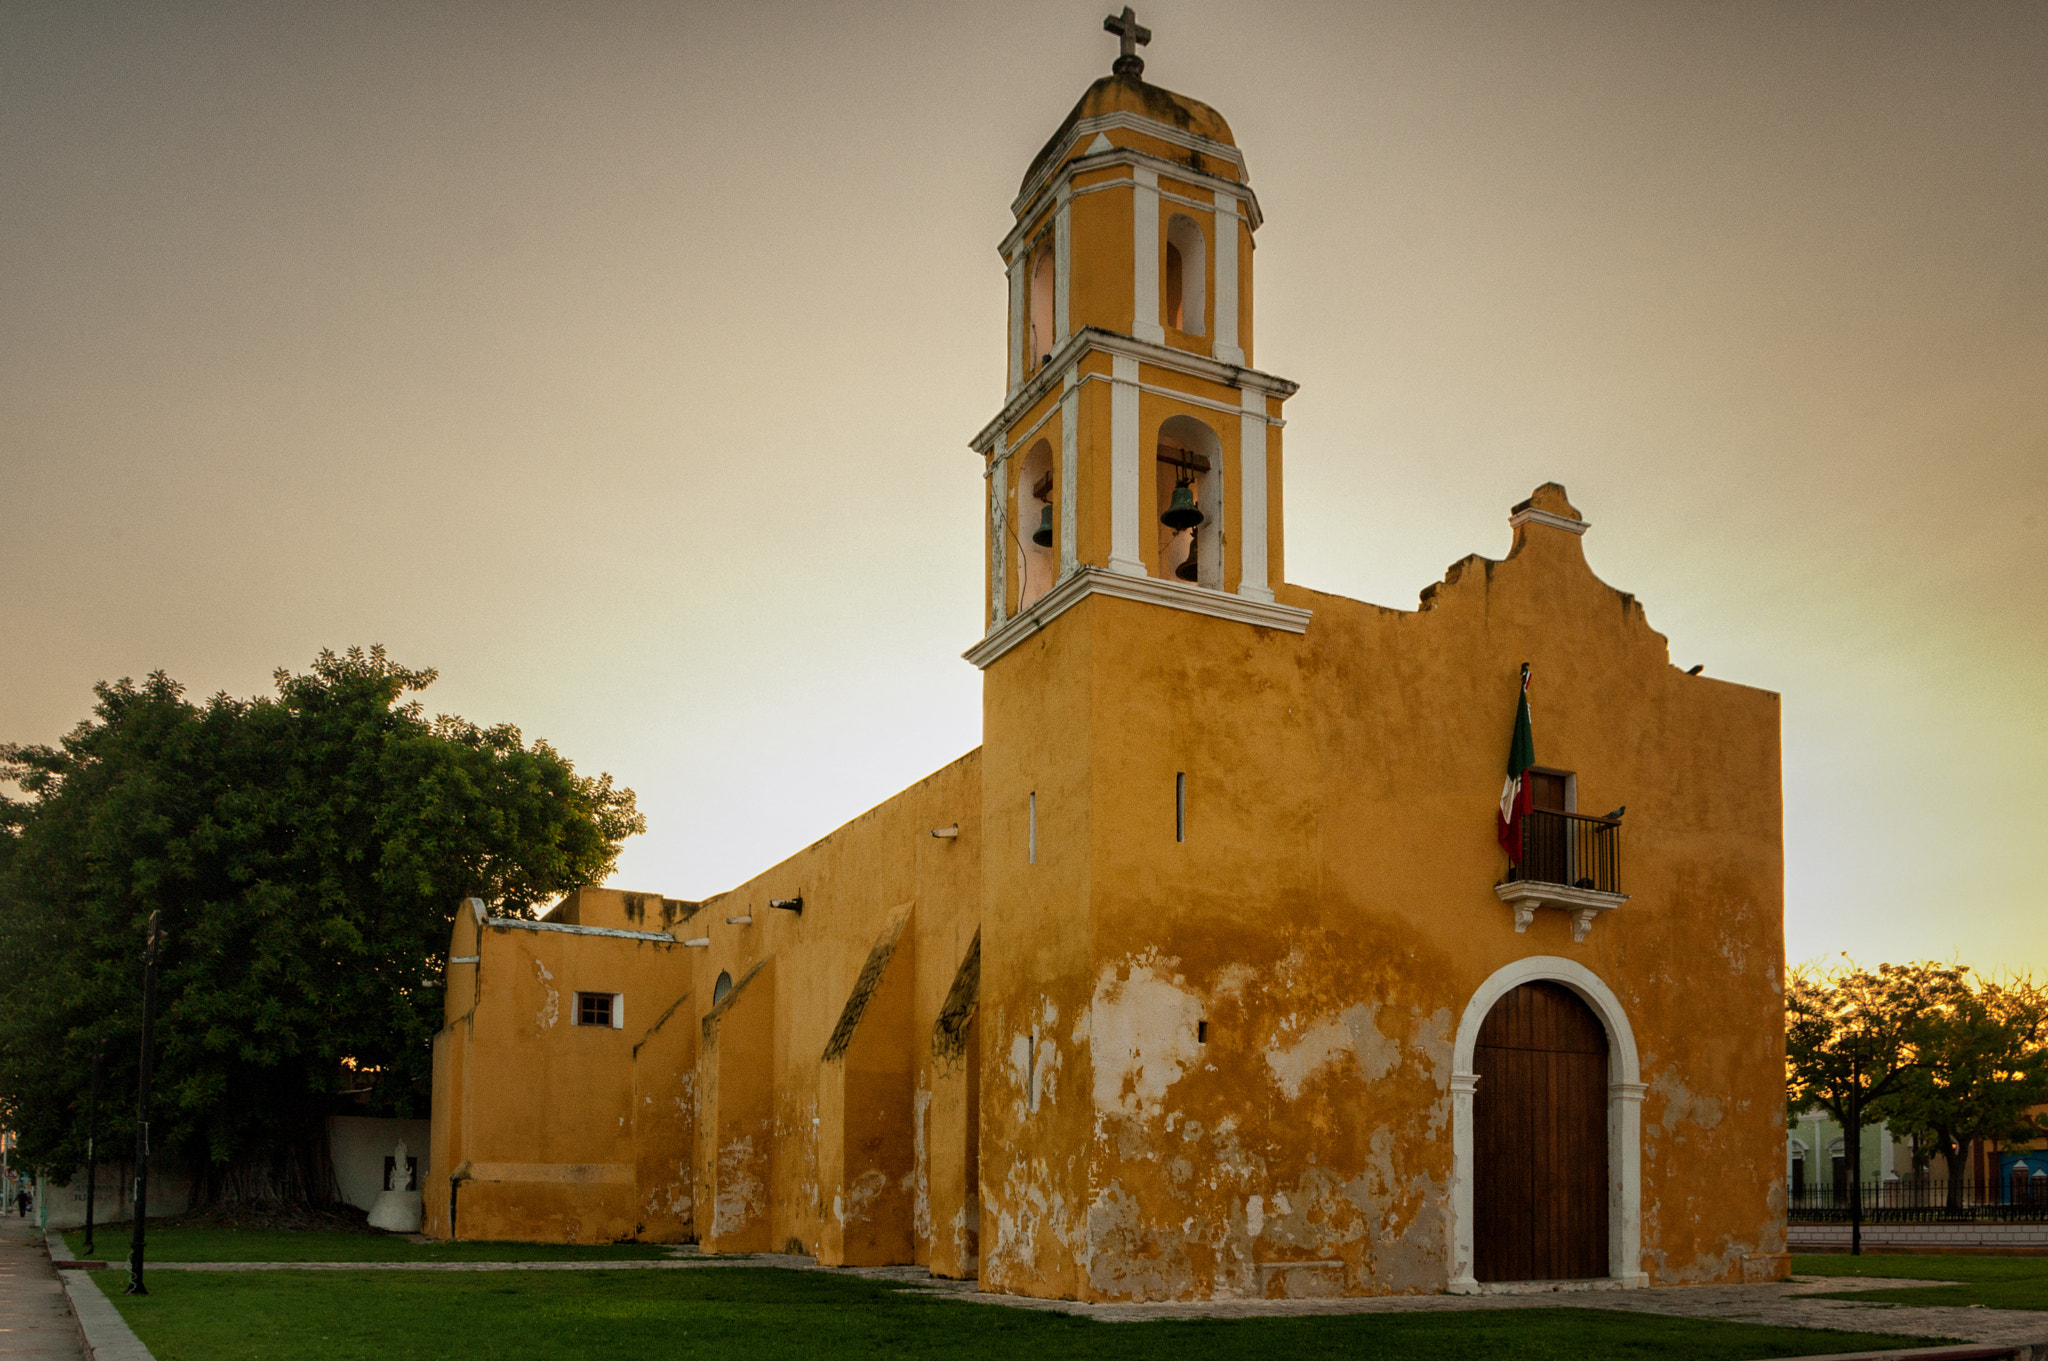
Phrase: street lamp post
x=92 y=1122
x=1856 y=1148
x=141 y=1216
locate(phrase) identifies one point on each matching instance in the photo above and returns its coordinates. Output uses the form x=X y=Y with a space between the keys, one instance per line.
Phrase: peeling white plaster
x=551 y=1010
x=860 y=1197
x=741 y=1194
x=1141 y=1037
x=1232 y=980
x=1352 y=1031
x=1681 y=1106
x=920 y=1166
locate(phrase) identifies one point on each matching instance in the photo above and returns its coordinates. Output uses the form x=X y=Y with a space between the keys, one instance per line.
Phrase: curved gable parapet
x=1544 y=576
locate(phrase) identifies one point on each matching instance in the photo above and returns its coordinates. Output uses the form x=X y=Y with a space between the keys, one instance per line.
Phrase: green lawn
x=299 y=1245
x=1994 y=1282
x=745 y=1313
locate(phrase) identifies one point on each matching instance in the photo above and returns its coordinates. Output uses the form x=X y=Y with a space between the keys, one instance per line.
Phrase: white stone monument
x=398 y=1210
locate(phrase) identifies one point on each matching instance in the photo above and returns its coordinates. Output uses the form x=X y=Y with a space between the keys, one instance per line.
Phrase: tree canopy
x=1850 y=1036
x=306 y=851
x=1944 y=1055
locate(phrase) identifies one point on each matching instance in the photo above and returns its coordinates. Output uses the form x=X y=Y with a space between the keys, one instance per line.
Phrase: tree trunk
x=1951 y=1155
x=297 y=1176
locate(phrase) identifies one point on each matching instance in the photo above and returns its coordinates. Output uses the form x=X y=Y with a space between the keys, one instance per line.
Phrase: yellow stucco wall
x=546 y=1129
x=1066 y=1050
x=1330 y=915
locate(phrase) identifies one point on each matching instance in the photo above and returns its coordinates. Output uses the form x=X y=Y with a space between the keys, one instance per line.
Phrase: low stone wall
x=1934 y=1237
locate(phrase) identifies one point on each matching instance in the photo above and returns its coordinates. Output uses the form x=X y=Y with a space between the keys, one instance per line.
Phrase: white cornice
x=1144 y=160
x=517 y=924
x=1543 y=517
x=1087 y=128
x=1109 y=342
x=1584 y=904
x=1146 y=590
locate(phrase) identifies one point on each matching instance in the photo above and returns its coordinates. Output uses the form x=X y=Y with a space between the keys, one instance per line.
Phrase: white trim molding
x=1063 y=263
x=1126 y=468
x=1252 y=452
x=521 y=924
x=1145 y=256
x=1057 y=167
x=1017 y=306
x=1087 y=581
x=1585 y=904
x=1527 y=514
x=1625 y=1089
x=1224 y=222
x=1070 y=477
x=1090 y=338
x=998 y=550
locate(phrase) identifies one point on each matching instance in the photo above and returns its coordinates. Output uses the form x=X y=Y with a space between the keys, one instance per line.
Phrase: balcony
x=1570 y=862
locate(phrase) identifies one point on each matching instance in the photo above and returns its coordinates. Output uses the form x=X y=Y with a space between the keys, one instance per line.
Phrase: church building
x=1271 y=943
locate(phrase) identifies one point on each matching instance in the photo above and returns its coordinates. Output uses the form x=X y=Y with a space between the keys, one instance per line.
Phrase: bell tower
x=1139 y=677
x=1137 y=453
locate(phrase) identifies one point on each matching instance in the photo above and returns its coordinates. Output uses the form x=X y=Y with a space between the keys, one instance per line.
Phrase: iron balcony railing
x=1924 y=1200
x=1570 y=849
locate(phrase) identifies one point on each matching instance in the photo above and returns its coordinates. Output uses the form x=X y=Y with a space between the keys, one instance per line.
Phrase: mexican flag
x=1514 y=795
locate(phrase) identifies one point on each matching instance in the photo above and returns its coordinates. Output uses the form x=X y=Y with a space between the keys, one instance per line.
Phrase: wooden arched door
x=1539 y=1139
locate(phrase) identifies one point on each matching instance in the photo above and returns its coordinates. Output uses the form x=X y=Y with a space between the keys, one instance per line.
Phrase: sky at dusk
x=618 y=360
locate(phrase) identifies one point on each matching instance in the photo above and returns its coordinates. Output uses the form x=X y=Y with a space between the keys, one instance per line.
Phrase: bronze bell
x=1183 y=513
x=1042 y=536
x=1188 y=570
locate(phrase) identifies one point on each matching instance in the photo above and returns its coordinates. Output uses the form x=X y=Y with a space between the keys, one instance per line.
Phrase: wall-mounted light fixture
x=947 y=833
x=795 y=904
x=701 y=943
x=747 y=920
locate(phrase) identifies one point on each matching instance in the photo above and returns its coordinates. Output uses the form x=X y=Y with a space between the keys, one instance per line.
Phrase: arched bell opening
x=1190 y=491
x=1042 y=268
x=1187 y=277
x=1037 y=524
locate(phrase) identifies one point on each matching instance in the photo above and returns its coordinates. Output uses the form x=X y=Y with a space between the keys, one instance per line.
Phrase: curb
x=103 y=1333
x=107 y=1335
x=2013 y=1351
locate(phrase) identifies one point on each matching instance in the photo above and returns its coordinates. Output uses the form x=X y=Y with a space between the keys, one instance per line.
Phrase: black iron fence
x=1924 y=1200
x=1570 y=849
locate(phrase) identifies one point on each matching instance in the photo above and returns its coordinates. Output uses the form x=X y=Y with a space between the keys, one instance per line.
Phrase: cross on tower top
x=1132 y=37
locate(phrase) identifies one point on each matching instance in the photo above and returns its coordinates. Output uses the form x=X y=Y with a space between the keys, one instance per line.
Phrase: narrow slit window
x=1180 y=806
x=1031 y=832
x=1201 y=1032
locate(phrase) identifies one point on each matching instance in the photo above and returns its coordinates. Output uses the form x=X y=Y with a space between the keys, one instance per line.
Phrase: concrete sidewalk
x=35 y=1320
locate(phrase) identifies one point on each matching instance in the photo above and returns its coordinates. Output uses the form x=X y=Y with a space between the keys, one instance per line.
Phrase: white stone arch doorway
x=1624 y=1115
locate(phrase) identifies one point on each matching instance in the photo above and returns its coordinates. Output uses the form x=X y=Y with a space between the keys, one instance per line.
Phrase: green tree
x=306 y=851
x=1982 y=1061
x=1851 y=1039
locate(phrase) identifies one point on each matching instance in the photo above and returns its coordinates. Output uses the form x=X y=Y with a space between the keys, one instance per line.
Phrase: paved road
x=35 y=1322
